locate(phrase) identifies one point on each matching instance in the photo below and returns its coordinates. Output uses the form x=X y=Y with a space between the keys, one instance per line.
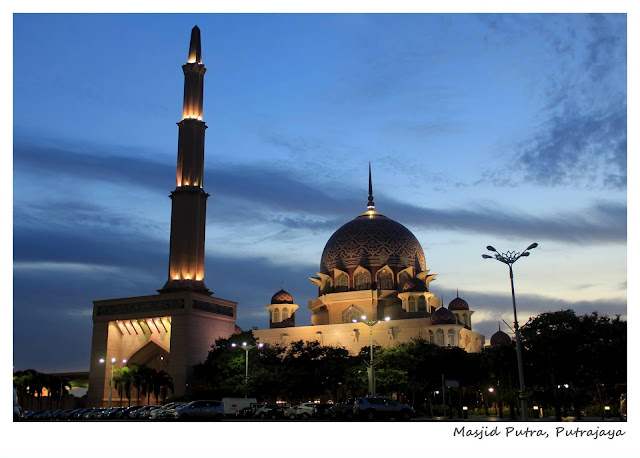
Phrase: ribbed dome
x=414 y=285
x=372 y=240
x=282 y=297
x=458 y=304
x=500 y=338
x=443 y=316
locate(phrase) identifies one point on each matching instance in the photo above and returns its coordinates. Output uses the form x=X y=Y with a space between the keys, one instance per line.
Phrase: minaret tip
x=370 y=205
x=195 y=51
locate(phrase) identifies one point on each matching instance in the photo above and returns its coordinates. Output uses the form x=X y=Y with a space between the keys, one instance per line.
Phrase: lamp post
x=370 y=370
x=113 y=363
x=509 y=258
x=246 y=349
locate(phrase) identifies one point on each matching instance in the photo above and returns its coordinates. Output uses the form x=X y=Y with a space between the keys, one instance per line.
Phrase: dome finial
x=370 y=204
x=457 y=295
x=282 y=285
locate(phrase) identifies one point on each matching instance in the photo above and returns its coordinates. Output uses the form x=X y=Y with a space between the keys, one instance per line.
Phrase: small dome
x=500 y=338
x=458 y=304
x=443 y=316
x=414 y=285
x=282 y=297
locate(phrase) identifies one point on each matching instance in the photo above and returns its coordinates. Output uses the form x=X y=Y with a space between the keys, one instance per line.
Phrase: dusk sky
x=481 y=130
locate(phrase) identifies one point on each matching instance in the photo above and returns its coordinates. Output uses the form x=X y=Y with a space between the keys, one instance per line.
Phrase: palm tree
x=141 y=380
x=148 y=375
x=161 y=382
x=123 y=381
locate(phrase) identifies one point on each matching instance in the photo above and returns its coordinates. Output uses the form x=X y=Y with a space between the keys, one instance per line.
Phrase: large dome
x=369 y=240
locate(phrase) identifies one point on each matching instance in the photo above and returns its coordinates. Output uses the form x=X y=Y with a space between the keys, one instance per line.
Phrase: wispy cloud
x=577 y=147
x=284 y=198
x=580 y=136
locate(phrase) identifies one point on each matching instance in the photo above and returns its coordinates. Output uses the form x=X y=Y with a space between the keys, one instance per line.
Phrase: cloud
x=602 y=222
x=579 y=138
x=576 y=147
x=260 y=193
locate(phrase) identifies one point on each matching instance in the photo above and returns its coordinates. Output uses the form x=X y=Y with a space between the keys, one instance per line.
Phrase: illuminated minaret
x=189 y=201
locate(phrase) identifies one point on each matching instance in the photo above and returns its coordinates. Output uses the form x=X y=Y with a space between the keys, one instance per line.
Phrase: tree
x=123 y=381
x=571 y=358
x=161 y=383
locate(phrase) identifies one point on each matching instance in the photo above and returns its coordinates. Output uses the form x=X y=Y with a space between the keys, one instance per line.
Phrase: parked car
x=91 y=415
x=135 y=414
x=145 y=414
x=246 y=412
x=274 y=412
x=321 y=411
x=200 y=410
x=124 y=413
x=290 y=412
x=372 y=408
x=17 y=410
x=342 y=410
x=303 y=411
x=107 y=414
x=166 y=411
x=261 y=411
x=68 y=415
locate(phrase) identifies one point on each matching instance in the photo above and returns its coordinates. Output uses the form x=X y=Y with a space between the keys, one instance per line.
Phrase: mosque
x=373 y=285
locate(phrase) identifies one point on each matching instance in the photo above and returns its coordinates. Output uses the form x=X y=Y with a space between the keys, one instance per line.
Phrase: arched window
x=464 y=320
x=342 y=282
x=285 y=313
x=385 y=280
x=451 y=338
x=440 y=334
x=431 y=338
x=412 y=304
x=402 y=279
x=276 y=315
x=352 y=313
x=422 y=304
x=362 y=280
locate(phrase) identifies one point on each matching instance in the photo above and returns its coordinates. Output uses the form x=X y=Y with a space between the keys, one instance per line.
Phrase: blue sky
x=480 y=129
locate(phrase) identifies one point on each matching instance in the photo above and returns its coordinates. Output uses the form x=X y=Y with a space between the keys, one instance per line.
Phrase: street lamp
x=370 y=369
x=509 y=258
x=246 y=349
x=113 y=363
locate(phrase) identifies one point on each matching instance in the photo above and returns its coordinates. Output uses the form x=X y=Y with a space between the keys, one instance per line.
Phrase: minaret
x=188 y=200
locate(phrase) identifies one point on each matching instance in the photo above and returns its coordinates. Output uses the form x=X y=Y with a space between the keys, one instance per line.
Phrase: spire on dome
x=195 y=52
x=370 y=204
